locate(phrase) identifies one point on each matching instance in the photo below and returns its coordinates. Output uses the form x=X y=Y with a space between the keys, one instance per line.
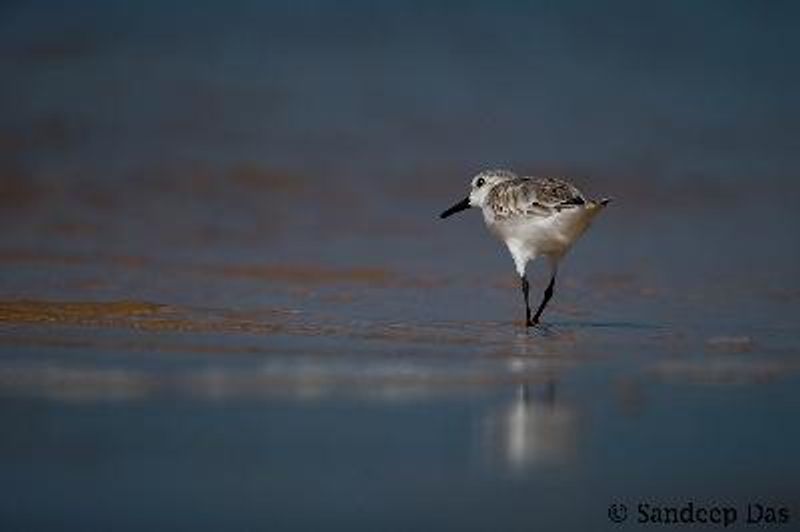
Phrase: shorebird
x=534 y=216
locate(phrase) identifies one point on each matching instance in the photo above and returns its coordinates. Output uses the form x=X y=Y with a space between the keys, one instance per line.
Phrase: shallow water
x=226 y=301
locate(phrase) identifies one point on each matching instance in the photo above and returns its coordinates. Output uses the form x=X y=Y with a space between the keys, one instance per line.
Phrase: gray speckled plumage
x=532 y=196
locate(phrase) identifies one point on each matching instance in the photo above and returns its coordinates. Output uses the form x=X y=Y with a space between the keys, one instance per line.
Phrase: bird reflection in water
x=534 y=429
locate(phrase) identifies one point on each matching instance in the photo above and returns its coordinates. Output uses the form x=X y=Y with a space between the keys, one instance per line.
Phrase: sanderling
x=534 y=216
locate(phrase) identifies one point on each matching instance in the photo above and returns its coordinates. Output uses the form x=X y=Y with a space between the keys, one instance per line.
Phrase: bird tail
x=599 y=204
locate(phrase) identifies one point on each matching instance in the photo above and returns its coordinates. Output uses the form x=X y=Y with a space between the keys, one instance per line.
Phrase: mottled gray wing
x=525 y=197
x=556 y=193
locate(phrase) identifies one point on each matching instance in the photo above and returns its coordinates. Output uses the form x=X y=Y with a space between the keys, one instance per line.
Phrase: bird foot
x=531 y=323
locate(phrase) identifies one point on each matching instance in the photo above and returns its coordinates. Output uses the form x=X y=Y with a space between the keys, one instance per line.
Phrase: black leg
x=548 y=293
x=525 y=292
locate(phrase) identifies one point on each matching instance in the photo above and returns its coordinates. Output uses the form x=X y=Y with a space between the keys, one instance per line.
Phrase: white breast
x=541 y=235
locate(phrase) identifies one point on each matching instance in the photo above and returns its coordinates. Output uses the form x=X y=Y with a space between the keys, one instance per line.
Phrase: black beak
x=458 y=207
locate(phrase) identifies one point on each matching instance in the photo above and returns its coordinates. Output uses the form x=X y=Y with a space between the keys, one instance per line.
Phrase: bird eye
x=480 y=182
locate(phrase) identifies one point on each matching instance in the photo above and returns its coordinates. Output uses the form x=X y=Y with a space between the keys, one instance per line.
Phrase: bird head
x=480 y=186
